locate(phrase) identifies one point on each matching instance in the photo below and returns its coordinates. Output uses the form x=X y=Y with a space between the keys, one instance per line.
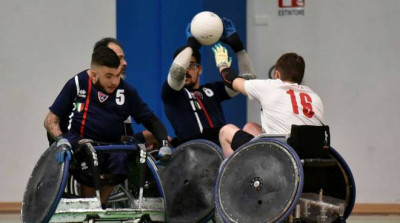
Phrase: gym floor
x=16 y=218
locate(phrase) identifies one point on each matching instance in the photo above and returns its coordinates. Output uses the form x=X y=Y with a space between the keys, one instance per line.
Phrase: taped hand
x=63 y=149
x=221 y=56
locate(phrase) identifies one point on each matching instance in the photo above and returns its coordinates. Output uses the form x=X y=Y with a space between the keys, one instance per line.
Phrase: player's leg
x=105 y=193
x=87 y=191
x=225 y=138
x=114 y=171
x=231 y=138
x=253 y=128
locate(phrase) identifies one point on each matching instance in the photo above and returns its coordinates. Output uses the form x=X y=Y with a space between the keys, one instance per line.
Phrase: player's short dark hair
x=104 y=56
x=291 y=66
x=196 y=53
x=105 y=41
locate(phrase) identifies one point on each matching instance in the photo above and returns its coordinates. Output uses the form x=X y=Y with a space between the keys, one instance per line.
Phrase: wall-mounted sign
x=291 y=7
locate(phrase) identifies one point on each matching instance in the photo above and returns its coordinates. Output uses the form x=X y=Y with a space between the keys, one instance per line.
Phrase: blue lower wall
x=150 y=32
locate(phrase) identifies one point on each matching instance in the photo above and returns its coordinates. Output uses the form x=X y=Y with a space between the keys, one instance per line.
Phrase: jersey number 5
x=305 y=101
x=120 y=97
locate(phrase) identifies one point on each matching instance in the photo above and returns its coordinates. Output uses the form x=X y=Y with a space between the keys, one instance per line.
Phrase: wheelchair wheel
x=329 y=189
x=45 y=188
x=260 y=182
x=189 y=180
x=350 y=183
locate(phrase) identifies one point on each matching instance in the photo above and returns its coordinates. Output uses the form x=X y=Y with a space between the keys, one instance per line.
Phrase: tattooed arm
x=177 y=72
x=52 y=125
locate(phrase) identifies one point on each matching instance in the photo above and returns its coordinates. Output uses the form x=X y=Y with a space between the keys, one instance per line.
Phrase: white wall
x=351 y=48
x=352 y=54
x=43 y=44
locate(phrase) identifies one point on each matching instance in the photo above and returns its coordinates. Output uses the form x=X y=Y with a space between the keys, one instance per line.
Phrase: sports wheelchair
x=46 y=198
x=180 y=190
x=296 y=178
x=280 y=178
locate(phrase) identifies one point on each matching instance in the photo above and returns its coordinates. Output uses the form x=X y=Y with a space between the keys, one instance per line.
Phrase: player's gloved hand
x=191 y=41
x=188 y=33
x=165 y=151
x=222 y=60
x=129 y=140
x=229 y=28
x=230 y=36
x=63 y=149
x=221 y=56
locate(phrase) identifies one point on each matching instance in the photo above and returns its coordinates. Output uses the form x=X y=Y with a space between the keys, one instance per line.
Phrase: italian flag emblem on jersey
x=79 y=106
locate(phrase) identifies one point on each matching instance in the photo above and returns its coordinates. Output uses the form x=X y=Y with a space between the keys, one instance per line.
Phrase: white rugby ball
x=206 y=27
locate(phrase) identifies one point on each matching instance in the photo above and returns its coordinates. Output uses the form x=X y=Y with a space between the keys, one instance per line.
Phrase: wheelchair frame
x=90 y=210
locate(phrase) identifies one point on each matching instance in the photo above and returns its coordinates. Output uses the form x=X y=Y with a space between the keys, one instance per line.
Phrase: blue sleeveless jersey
x=191 y=112
x=93 y=114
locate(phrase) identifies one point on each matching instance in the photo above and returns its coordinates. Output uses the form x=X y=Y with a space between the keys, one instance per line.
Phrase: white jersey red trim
x=284 y=104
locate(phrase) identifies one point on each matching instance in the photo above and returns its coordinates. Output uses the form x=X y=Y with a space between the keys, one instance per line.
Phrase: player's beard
x=98 y=86
x=191 y=84
x=123 y=75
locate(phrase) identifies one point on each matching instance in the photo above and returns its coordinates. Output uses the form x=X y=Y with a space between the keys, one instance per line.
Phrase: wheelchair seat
x=310 y=141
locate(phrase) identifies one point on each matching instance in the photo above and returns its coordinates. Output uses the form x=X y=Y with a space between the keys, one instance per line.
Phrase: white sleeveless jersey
x=285 y=104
